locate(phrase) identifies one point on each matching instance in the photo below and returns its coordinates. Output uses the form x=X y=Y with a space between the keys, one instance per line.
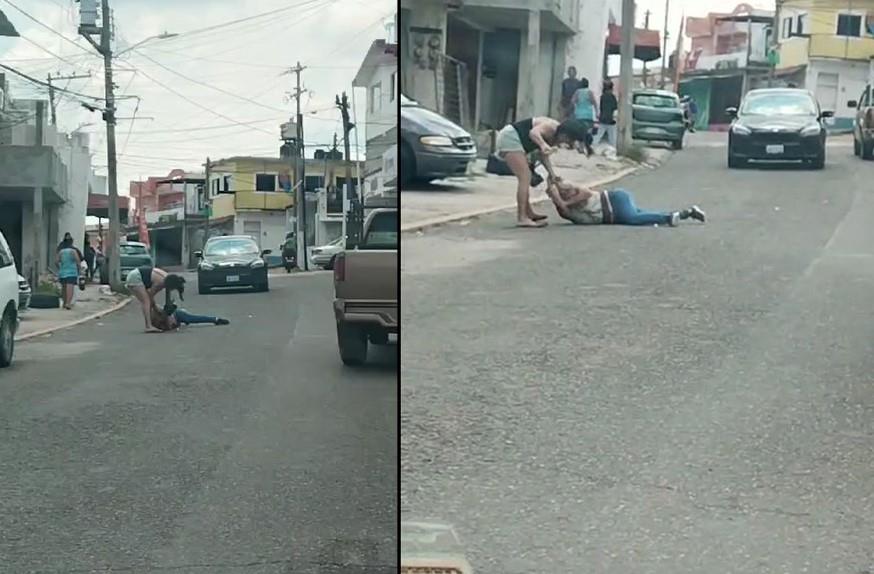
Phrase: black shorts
x=69 y=280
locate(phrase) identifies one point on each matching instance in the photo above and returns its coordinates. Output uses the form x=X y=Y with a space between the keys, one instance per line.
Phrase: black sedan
x=231 y=261
x=432 y=147
x=779 y=124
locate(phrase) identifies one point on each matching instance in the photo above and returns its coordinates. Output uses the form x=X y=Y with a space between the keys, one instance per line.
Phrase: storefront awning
x=98 y=206
x=647 y=43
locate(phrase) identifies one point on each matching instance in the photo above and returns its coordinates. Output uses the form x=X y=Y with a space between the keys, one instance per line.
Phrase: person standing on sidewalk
x=569 y=87
x=585 y=111
x=584 y=206
x=607 y=115
x=529 y=136
x=90 y=255
x=69 y=261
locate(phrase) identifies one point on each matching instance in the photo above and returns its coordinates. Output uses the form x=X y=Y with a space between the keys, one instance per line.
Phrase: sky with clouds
x=213 y=93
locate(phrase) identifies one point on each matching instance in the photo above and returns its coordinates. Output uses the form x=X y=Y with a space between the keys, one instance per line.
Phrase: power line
x=199 y=105
x=348 y=41
x=41 y=83
x=47 y=51
x=220 y=90
x=49 y=28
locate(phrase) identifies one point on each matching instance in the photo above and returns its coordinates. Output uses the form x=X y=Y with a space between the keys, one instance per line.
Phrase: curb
x=433 y=222
x=91 y=317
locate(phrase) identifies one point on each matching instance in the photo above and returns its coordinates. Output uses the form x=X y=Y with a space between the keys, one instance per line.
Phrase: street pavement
x=245 y=448
x=651 y=400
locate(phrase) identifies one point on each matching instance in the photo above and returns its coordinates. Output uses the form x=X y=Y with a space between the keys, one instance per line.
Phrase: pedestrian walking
x=68 y=259
x=90 y=256
x=533 y=136
x=569 y=87
x=607 y=108
x=145 y=282
x=583 y=206
x=585 y=111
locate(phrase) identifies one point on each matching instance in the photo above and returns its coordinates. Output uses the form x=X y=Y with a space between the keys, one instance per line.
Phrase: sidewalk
x=479 y=193
x=95 y=301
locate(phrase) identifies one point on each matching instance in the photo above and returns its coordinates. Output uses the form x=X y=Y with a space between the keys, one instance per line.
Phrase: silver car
x=324 y=255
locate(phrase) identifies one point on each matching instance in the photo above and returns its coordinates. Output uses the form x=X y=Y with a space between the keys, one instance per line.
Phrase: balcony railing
x=828 y=46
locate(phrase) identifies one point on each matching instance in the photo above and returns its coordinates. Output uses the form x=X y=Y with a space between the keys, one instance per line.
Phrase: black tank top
x=523 y=128
x=146 y=274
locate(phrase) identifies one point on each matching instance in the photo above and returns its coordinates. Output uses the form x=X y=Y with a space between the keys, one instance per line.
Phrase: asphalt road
x=246 y=448
x=639 y=400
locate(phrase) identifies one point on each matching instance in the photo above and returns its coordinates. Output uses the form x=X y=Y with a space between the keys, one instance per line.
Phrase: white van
x=8 y=303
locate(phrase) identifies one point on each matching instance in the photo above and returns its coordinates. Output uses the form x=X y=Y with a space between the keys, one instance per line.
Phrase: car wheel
x=202 y=288
x=7 y=338
x=408 y=165
x=330 y=265
x=264 y=287
x=352 y=341
x=857 y=149
x=677 y=144
x=734 y=162
x=867 y=150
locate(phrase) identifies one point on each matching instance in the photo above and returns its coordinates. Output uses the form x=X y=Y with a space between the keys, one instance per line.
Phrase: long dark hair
x=173 y=282
x=572 y=130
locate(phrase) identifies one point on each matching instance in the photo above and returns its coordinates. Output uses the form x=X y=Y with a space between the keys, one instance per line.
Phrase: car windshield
x=132 y=250
x=383 y=232
x=655 y=101
x=240 y=246
x=779 y=105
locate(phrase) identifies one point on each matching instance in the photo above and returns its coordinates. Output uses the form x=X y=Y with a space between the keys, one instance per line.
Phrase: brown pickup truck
x=366 y=288
x=863 y=124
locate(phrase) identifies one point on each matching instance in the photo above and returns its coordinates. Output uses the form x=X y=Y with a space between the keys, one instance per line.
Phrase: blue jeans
x=184 y=317
x=625 y=212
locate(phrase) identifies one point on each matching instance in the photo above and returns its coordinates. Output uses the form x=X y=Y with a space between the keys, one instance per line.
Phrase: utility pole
x=207 y=189
x=52 y=91
x=300 y=174
x=626 y=78
x=665 y=46
x=646 y=26
x=343 y=104
x=775 y=42
x=105 y=49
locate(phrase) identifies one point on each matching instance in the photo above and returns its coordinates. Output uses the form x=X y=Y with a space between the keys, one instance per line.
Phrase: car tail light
x=340 y=267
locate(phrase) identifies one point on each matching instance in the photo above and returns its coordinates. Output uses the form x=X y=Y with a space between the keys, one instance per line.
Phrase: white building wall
x=76 y=156
x=852 y=78
x=384 y=114
x=273 y=227
x=585 y=50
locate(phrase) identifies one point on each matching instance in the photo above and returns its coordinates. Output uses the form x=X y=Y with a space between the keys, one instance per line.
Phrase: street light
x=161 y=36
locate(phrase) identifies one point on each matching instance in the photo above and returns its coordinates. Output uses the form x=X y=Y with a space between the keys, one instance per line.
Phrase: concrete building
x=45 y=182
x=254 y=196
x=174 y=209
x=484 y=63
x=828 y=49
x=378 y=74
x=727 y=58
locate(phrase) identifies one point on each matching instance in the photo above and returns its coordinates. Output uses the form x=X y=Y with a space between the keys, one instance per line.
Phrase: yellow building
x=256 y=196
x=827 y=49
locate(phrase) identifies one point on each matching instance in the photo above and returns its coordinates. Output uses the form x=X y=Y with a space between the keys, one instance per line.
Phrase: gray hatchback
x=432 y=147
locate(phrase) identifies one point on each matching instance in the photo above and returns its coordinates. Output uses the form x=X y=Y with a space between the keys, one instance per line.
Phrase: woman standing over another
x=69 y=261
x=586 y=110
x=146 y=282
x=531 y=136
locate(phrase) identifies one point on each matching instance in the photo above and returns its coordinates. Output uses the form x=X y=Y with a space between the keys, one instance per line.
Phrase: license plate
x=233 y=279
x=774 y=149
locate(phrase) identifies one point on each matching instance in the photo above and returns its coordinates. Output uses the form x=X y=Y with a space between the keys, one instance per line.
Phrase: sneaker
x=675 y=219
x=697 y=214
x=222 y=322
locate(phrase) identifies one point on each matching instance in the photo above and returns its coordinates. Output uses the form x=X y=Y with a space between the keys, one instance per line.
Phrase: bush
x=47 y=287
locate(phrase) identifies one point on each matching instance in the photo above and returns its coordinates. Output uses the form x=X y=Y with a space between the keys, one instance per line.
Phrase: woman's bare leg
x=145 y=304
x=525 y=216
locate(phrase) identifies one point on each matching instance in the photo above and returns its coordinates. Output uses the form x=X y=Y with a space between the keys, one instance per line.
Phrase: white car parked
x=324 y=255
x=8 y=303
